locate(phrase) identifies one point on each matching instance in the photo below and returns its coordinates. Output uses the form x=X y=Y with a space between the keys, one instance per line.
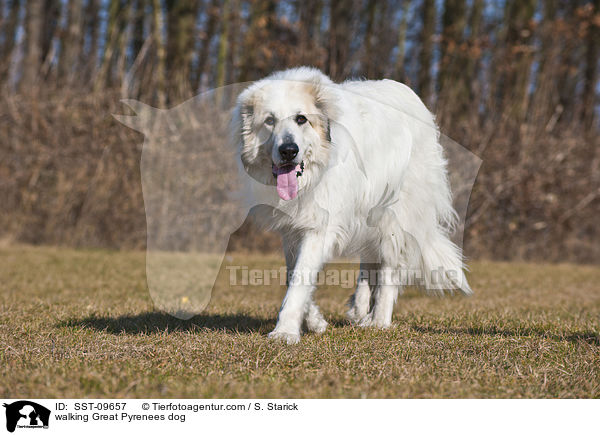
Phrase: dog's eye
x=301 y=119
x=270 y=121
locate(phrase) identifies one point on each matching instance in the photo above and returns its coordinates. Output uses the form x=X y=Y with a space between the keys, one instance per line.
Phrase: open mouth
x=287 y=179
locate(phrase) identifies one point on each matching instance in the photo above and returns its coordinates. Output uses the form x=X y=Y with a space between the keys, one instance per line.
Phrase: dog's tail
x=442 y=266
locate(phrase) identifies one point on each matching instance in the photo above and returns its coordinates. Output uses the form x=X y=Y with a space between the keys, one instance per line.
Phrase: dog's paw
x=318 y=325
x=354 y=316
x=287 y=337
x=371 y=321
x=366 y=321
x=359 y=303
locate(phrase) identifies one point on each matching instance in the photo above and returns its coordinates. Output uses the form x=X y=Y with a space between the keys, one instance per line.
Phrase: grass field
x=81 y=323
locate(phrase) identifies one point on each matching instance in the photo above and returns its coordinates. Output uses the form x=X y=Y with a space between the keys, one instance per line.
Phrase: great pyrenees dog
x=352 y=170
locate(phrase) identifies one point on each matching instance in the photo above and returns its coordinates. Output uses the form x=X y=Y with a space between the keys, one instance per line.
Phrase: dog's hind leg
x=384 y=298
x=384 y=295
x=360 y=301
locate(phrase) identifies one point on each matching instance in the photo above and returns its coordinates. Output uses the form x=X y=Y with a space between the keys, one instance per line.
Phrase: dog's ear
x=241 y=117
x=247 y=112
x=245 y=137
x=326 y=101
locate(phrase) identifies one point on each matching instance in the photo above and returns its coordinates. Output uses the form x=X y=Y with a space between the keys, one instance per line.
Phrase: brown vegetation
x=516 y=83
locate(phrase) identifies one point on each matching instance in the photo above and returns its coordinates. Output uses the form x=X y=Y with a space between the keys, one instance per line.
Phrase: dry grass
x=81 y=323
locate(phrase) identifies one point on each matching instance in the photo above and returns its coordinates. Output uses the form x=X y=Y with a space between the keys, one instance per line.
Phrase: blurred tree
x=399 y=72
x=309 y=22
x=159 y=74
x=33 y=54
x=9 y=37
x=546 y=93
x=454 y=20
x=257 y=50
x=590 y=78
x=71 y=42
x=570 y=59
x=103 y=77
x=453 y=64
x=340 y=36
x=138 y=37
x=426 y=49
x=234 y=33
x=519 y=18
x=474 y=53
x=49 y=32
x=213 y=15
x=91 y=27
x=125 y=31
x=181 y=16
x=223 y=44
x=369 y=41
x=386 y=41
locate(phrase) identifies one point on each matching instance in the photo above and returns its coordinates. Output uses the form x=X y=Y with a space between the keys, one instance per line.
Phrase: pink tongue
x=287 y=182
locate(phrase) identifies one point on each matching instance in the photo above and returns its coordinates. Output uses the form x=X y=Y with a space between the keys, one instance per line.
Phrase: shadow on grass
x=589 y=337
x=157 y=322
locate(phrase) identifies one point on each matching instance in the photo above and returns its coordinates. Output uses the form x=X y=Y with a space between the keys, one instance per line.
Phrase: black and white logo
x=25 y=414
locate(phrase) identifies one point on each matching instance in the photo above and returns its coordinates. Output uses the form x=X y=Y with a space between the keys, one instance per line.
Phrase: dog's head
x=282 y=128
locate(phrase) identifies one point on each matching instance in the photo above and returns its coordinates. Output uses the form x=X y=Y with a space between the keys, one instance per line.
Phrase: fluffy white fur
x=375 y=185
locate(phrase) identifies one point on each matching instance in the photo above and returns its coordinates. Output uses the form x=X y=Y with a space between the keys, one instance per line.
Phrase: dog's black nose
x=288 y=151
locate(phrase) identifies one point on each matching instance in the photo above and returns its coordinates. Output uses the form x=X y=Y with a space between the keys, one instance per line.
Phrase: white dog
x=352 y=169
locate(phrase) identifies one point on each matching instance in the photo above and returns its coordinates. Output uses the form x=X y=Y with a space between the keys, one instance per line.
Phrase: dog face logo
x=26 y=414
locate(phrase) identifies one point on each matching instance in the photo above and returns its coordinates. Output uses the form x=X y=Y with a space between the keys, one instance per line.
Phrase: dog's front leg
x=315 y=322
x=312 y=254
